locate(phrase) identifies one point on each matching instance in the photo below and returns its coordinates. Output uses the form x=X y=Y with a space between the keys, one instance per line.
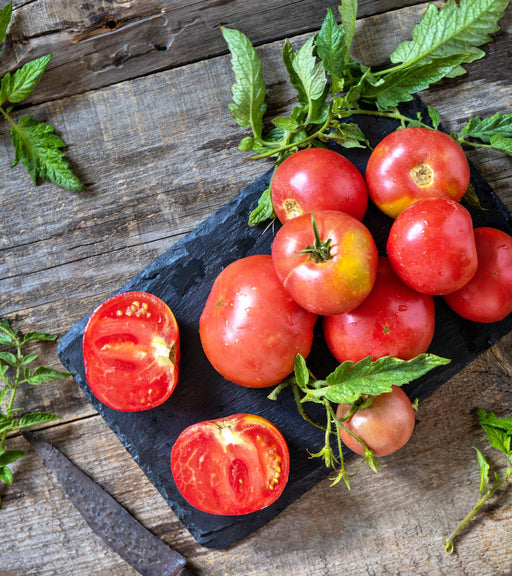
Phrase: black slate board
x=182 y=277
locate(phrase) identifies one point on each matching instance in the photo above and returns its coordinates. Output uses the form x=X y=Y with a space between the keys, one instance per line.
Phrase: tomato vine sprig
x=15 y=371
x=499 y=435
x=333 y=89
x=355 y=384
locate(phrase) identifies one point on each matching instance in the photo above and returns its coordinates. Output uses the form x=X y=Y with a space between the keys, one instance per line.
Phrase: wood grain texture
x=152 y=137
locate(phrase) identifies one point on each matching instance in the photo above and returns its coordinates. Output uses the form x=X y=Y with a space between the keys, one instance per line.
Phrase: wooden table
x=139 y=91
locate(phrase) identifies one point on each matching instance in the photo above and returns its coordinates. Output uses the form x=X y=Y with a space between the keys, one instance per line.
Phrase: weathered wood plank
x=96 y=44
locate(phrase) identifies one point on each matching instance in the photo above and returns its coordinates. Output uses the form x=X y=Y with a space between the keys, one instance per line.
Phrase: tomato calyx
x=321 y=250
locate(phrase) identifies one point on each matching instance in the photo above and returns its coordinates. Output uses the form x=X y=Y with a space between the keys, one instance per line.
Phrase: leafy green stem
x=507 y=477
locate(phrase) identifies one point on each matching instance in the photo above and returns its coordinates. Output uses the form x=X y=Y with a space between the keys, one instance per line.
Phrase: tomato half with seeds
x=327 y=261
x=394 y=320
x=487 y=297
x=131 y=351
x=318 y=179
x=230 y=466
x=251 y=329
x=415 y=163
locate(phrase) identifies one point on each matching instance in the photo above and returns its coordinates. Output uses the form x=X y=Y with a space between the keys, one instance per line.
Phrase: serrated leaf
x=484 y=471
x=35 y=418
x=310 y=72
x=8 y=357
x=5 y=19
x=457 y=27
x=485 y=128
x=350 y=381
x=501 y=143
x=248 y=106
x=330 y=46
x=9 y=456
x=491 y=420
x=40 y=150
x=349 y=135
x=6 y=475
x=45 y=374
x=264 y=209
x=301 y=371
x=285 y=123
x=246 y=144
x=402 y=85
x=435 y=117
x=22 y=83
x=29 y=358
x=38 y=337
x=348 y=13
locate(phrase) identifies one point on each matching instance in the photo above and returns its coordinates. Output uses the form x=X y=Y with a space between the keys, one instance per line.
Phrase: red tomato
x=415 y=163
x=318 y=179
x=384 y=426
x=394 y=320
x=250 y=328
x=487 y=297
x=233 y=465
x=332 y=283
x=131 y=351
x=431 y=246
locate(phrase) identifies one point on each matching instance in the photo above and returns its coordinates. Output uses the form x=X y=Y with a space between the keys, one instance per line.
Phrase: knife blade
x=149 y=555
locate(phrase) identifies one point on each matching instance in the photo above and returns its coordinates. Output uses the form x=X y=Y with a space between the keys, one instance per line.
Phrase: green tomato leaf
x=501 y=143
x=38 y=337
x=349 y=135
x=5 y=19
x=310 y=72
x=264 y=209
x=485 y=128
x=40 y=151
x=15 y=88
x=35 y=418
x=491 y=421
x=400 y=86
x=8 y=357
x=248 y=106
x=348 y=13
x=331 y=47
x=457 y=27
x=45 y=374
x=8 y=456
x=7 y=334
x=350 y=381
x=484 y=471
x=6 y=475
x=301 y=371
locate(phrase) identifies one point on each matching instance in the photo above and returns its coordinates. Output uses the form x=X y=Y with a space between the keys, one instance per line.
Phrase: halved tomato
x=230 y=466
x=131 y=351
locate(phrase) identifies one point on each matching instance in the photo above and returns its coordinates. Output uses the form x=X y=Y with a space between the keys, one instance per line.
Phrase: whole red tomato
x=327 y=262
x=487 y=297
x=131 y=351
x=384 y=426
x=431 y=246
x=250 y=328
x=234 y=465
x=415 y=163
x=394 y=320
x=318 y=179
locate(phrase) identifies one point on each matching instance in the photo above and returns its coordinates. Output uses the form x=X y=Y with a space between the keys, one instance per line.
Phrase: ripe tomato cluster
x=324 y=267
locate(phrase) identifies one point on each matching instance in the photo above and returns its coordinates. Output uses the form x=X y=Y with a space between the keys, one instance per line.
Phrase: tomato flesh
x=230 y=466
x=415 y=163
x=131 y=351
x=318 y=179
x=384 y=426
x=394 y=320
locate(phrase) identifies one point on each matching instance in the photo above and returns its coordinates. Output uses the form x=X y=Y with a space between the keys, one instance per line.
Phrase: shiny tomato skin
x=431 y=246
x=394 y=320
x=131 y=350
x=333 y=286
x=318 y=179
x=384 y=426
x=250 y=328
x=415 y=163
x=487 y=297
x=231 y=466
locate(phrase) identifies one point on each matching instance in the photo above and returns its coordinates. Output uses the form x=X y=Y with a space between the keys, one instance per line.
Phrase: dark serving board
x=182 y=277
